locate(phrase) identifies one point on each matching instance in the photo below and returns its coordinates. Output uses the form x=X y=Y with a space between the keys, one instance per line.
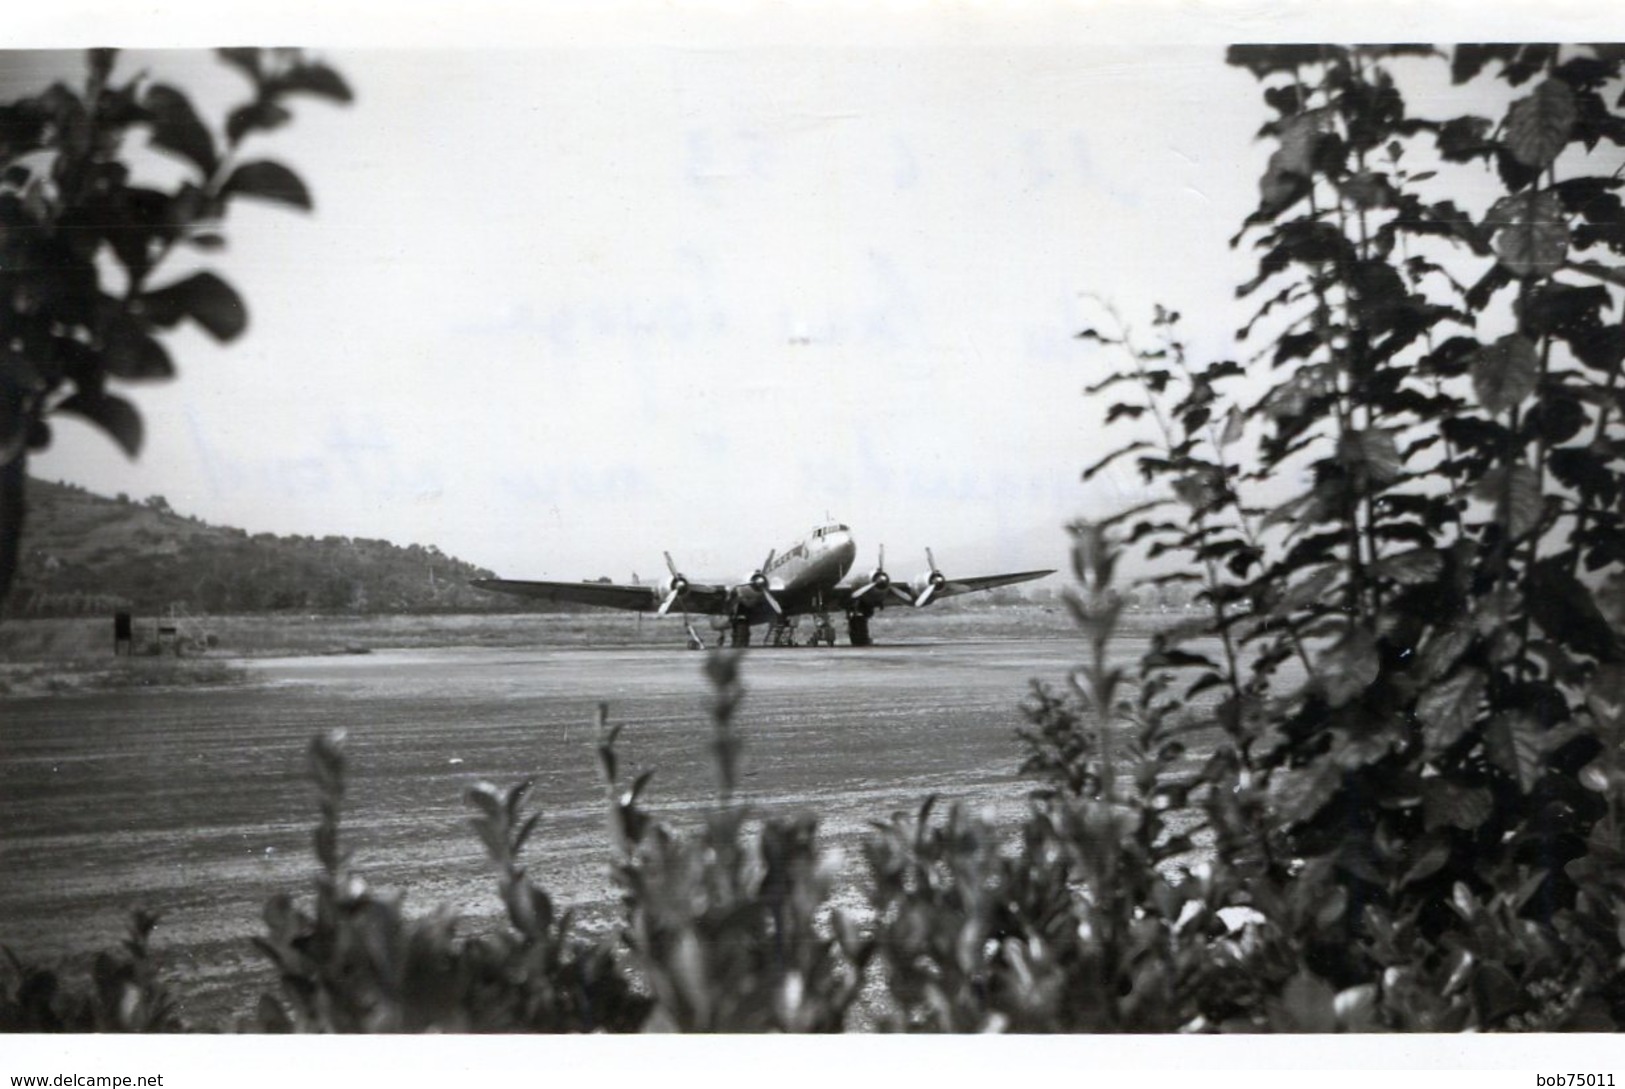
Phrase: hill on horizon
x=84 y=553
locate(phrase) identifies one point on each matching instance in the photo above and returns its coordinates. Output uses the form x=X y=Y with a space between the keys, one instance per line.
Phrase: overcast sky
x=643 y=282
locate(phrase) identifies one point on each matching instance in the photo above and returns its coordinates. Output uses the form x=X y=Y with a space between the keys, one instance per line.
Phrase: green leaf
x=267 y=181
x=1515 y=491
x=1464 y=902
x=1496 y=994
x=1332 y=908
x=1307 y=1004
x=1448 y=804
x=203 y=297
x=1262 y=60
x=1412 y=567
x=246 y=61
x=1468 y=60
x=1299 y=793
x=1435 y=852
x=1358 y=1008
x=1513 y=743
x=1594 y=776
x=1601 y=272
x=1566 y=609
x=486 y=796
x=1504 y=373
x=264 y=116
x=113 y=414
x=1310 y=591
x=1347 y=669
x=1449 y=709
x=1531 y=234
x=1293 y=397
x=1605 y=696
x=175 y=127
x=1463 y=138
x=1557 y=419
x=1286 y=180
x=1364 y=743
x=1538 y=125
x=1444 y=646
x=131 y=352
x=1299 y=134
x=1367 y=189
x=525 y=830
x=1374 y=451
x=315 y=79
x=1493 y=610
x=1105 y=462
x=1198 y=490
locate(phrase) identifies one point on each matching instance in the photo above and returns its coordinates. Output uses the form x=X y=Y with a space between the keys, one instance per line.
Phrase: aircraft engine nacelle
x=758 y=588
x=929 y=583
x=881 y=582
x=927 y=580
x=673 y=588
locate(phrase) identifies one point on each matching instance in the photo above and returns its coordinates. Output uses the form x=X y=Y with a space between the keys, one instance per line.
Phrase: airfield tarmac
x=195 y=803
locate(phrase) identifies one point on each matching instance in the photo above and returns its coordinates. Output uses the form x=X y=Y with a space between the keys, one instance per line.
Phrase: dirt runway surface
x=195 y=803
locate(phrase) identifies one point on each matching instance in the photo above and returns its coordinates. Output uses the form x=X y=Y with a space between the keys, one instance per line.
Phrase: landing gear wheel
x=857 y=629
x=739 y=633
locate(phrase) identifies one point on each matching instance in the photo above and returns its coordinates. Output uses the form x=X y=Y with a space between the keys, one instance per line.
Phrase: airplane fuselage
x=803 y=576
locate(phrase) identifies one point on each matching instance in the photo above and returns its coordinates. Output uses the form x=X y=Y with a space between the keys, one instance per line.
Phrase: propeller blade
x=877 y=577
x=930 y=559
x=758 y=582
x=925 y=598
x=672 y=567
x=665 y=606
x=902 y=593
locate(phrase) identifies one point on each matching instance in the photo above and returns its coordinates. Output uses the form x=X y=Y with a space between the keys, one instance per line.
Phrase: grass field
x=277 y=635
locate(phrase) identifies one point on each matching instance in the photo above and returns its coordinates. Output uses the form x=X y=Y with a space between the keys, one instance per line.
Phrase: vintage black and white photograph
x=948 y=519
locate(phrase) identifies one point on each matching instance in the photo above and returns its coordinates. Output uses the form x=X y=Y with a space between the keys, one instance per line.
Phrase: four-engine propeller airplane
x=803 y=579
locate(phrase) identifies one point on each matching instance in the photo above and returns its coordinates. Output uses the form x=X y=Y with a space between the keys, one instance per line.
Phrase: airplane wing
x=987 y=582
x=950 y=588
x=698 y=599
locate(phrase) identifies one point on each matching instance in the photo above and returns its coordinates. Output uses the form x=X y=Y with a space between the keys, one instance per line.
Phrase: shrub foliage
x=85 y=244
x=1377 y=785
x=1420 y=692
